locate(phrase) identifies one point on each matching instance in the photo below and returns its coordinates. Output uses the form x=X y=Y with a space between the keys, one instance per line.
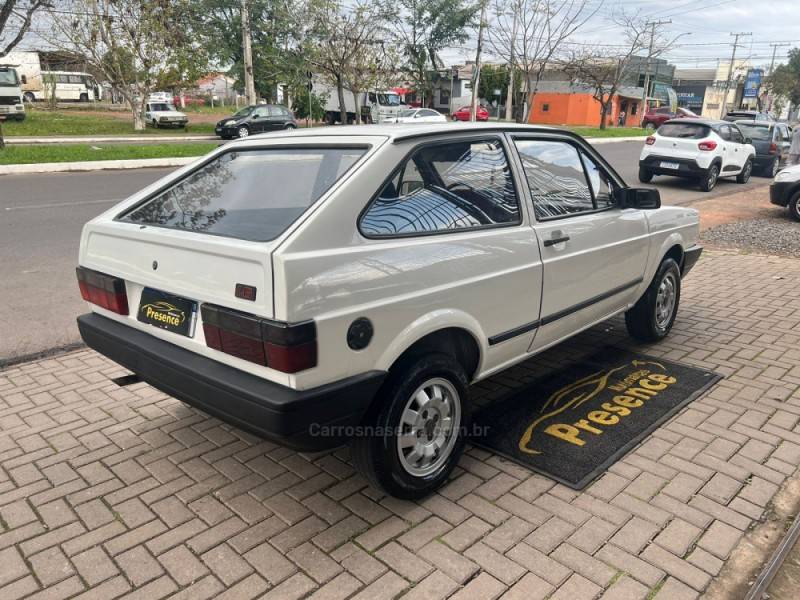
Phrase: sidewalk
x=115 y=489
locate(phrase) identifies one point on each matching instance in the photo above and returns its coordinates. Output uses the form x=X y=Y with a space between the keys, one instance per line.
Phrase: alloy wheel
x=243 y=132
x=665 y=300
x=429 y=427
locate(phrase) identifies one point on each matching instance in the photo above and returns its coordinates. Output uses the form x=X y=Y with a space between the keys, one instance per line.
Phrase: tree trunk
x=357 y=106
x=603 y=113
x=342 y=106
x=137 y=108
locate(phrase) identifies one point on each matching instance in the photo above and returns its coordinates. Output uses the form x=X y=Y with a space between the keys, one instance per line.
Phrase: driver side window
x=446 y=187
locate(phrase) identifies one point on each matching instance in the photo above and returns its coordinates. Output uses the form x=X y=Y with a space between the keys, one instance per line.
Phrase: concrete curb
x=100 y=139
x=95 y=165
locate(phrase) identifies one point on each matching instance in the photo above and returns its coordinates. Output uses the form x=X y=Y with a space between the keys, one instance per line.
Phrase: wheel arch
x=453 y=333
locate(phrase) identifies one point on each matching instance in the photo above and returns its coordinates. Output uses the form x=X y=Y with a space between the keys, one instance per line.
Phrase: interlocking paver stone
x=148 y=496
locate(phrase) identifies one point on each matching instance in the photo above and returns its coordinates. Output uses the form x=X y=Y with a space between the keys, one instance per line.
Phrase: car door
x=259 y=121
x=740 y=150
x=593 y=252
x=728 y=155
x=275 y=119
x=784 y=142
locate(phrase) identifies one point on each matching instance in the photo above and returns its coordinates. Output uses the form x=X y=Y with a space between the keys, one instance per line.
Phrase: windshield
x=8 y=77
x=161 y=107
x=389 y=99
x=252 y=195
x=692 y=131
x=244 y=112
x=756 y=132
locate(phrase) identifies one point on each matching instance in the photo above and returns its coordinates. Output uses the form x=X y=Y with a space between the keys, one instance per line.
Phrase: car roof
x=397 y=132
x=699 y=121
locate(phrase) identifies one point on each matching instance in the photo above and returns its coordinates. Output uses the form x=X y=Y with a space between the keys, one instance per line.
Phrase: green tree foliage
x=426 y=28
x=494 y=77
x=785 y=79
x=301 y=101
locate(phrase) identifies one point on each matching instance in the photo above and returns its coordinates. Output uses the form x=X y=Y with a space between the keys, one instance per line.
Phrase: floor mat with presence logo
x=575 y=423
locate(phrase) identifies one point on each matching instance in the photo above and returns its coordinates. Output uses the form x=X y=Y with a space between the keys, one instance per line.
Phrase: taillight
x=707 y=146
x=286 y=347
x=103 y=290
x=650 y=140
x=773 y=148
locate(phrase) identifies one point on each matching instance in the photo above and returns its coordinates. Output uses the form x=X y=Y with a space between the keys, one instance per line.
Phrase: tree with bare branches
x=135 y=44
x=603 y=68
x=16 y=17
x=528 y=34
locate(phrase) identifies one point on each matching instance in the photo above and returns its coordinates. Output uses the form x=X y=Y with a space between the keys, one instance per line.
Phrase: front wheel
x=242 y=132
x=709 y=180
x=652 y=317
x=794 y=207
x=747 y=170
x=29 y=97
x=414 y=438
x=645 y=175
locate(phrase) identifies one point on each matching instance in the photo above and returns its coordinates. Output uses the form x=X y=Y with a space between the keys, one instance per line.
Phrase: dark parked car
x=656 y=117
x=747 y=115
x=255 y=119
x=771 y=141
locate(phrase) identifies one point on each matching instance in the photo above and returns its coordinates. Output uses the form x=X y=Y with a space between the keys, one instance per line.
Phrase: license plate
x=167 y=311
x=670 y=165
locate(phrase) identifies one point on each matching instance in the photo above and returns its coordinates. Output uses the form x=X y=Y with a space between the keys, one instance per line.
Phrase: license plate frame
x=172 y=313
x=670 y=165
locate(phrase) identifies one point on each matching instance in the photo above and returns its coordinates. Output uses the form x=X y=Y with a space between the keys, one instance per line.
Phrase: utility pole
x=652 y=25
x=510 y=91
x=724 y=102
x=476 y=80
x=247 y=51
x=775 y=47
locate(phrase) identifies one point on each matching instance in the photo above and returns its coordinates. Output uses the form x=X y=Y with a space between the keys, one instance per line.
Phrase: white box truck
x=376 y=106
x=11 y=104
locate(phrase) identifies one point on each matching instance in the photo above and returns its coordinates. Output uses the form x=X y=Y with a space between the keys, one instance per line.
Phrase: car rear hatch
x=205 y=239
x=679 y=139
x=761 y=137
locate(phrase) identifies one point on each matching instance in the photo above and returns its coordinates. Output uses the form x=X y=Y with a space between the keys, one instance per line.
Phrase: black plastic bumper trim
x=690 y=258
x=311 y=419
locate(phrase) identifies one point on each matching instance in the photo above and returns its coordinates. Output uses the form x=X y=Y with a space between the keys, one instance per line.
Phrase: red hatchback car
x=462 y=114
x=656 y=117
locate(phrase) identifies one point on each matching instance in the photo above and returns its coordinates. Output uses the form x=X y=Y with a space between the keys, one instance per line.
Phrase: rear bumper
x=690 y=257
x=312 y=419
x=762 y=161
x=686 y=167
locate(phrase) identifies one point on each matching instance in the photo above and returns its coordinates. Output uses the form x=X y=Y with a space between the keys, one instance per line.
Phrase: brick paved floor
x=107 y=491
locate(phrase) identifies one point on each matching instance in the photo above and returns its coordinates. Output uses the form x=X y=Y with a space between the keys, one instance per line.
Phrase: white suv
x=700 y=149
x=352 y=282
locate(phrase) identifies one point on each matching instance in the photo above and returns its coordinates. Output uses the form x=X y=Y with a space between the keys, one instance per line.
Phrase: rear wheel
x=772 y=170
x=645 y=175
x=794 y=207
x=709 y=180
x=649 y=127
x=290 y=126
x=413 y=439
x=747 y=170
x=652 y=317
x=84 y=98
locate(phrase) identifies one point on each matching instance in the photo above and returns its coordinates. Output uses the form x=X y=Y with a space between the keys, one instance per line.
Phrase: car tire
x=649 y=127
x=242 y=132
x=652 y=317
x=794 y=207
x=290 y=126
x=772 y=170
x=645 y=175
x=747 y=170
x=709 y=180
x=29 y=97
x=395 y=433
x=84 y=98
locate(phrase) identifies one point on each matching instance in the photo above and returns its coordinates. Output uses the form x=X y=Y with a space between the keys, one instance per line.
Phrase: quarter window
x=446 y=187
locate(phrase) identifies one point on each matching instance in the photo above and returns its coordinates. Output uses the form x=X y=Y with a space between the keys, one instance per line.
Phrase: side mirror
x=641 y=198
x=748 y=140
x=24 y=79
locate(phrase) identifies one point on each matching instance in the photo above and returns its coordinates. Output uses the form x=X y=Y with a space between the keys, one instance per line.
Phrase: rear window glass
x=250 y=194
x=755 y=132
x=692 y=131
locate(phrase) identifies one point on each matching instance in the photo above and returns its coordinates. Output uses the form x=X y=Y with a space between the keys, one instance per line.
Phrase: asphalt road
x=40 y=224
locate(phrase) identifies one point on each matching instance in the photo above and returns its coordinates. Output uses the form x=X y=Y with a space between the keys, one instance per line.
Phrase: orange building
x=575 y=105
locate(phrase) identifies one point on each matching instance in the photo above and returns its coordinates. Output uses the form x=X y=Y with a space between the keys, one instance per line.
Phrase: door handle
x=556 y=240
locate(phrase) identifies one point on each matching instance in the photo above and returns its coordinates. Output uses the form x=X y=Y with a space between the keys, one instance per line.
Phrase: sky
x=704 y=26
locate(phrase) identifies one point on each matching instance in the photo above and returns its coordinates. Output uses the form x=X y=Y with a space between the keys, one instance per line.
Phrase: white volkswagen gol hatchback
x=351 y=282
x=699 y=149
